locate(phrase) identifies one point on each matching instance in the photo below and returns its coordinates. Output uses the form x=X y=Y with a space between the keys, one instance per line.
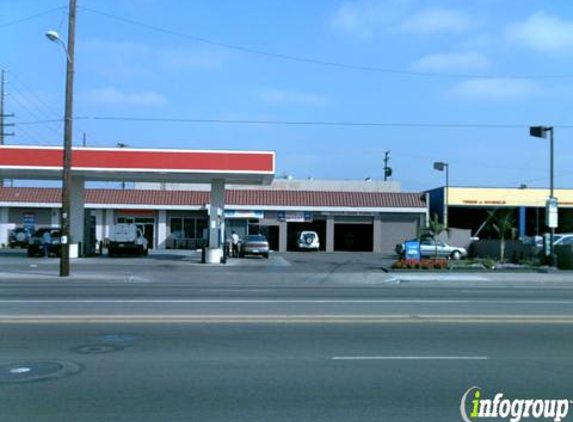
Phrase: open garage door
x=353 y=237
x=318 y=226
x=272 y=235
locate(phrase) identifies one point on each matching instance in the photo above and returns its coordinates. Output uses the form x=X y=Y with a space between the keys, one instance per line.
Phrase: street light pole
x=550 y=129
x=446 y=210
x=442 y=166
x=67 y=153
x=551 y=194
x=551 y=207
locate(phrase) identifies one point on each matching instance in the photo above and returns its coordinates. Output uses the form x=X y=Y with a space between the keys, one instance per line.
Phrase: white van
x=126 y=239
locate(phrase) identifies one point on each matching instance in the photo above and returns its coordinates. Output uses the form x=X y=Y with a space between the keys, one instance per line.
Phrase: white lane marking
x=237 y=290
x=315 y=301
x=19 y=370
x=438 y=277
x=410 y=358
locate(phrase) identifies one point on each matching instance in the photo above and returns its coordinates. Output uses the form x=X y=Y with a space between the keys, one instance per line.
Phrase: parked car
x=36 y=243
x=428 y=249
x=126 y=239
x=308 y=240
x=254 y=245
x=559 y=239
x=19 y=238
x=563 y=239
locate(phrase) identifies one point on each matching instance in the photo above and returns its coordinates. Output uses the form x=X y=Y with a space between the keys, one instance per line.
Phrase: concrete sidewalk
x=216 y=274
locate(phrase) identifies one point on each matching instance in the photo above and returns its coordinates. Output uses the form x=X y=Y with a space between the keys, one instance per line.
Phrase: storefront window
x=202 y=226
x=186 y=232
x=189 y=228
x=176 y=225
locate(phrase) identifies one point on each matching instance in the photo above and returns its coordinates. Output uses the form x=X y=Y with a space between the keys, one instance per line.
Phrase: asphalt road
x=192 y=346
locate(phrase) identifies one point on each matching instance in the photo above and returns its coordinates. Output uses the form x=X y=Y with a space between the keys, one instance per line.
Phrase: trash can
x=225 y=254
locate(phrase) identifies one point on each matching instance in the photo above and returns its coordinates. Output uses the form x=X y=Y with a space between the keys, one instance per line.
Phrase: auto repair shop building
x=347 y=215
x=471 y=207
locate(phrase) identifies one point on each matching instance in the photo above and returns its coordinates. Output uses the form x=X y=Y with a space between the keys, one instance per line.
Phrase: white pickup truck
x=126 y=239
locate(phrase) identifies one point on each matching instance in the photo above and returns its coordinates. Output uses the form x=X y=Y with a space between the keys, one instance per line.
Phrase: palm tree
x=503 y=222
x=435 y=229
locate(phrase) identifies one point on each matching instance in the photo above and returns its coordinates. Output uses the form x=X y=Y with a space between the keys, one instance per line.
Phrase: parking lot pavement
x=256 y=261
x=185 y=266
x=344 y=261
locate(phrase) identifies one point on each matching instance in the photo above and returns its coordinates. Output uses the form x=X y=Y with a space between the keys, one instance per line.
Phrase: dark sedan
x=36 y=244
x=254 y=245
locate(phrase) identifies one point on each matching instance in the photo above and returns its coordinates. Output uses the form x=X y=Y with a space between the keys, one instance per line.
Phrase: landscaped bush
x=424 y=264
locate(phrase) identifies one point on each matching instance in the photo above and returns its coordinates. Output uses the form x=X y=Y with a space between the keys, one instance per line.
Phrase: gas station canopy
x=141 y=165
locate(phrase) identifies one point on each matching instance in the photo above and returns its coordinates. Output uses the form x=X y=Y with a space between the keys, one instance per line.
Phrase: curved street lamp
x=55 y=37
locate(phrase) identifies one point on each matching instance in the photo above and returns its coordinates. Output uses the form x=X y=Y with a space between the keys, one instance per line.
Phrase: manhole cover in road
x=97 y=349
x=32 y=371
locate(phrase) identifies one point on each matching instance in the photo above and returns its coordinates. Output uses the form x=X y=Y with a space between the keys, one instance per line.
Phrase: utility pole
x=122 y=145
x=387 y=170
x=68 y=116
x=3 y=124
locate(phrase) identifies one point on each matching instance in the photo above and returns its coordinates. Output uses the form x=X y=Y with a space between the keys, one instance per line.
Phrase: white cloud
x=495 y=89
x=468 y=61
x=431 y=21
x=277 y=96
x=111 y=96
x=543 y=32
x=363 y=19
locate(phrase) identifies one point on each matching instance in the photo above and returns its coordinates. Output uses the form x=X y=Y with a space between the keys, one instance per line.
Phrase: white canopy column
x=77 y=217
x=216 y=222
x=4 y=226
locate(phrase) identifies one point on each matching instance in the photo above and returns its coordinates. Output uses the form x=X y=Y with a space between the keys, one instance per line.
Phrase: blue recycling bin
x=412 y=250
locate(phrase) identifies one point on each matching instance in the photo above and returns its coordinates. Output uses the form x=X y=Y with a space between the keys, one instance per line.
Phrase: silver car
x=254 y=245
x=429 y=248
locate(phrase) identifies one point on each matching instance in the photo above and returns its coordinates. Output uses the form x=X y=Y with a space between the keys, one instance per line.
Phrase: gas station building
x=185 y=199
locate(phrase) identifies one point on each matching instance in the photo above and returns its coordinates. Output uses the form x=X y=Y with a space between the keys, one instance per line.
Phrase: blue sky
x=127 y=70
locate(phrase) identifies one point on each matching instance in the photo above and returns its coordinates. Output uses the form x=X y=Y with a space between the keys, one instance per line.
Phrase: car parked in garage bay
x=308 y=240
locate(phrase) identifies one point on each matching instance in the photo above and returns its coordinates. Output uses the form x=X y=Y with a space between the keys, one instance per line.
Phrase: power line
x=24 y=86
x=303 y=123
x=33 y=113
x=50 y=110
x=323 y=123
x=27 y=18
x=31 y=102
x=318 y=62
x=39 y=122
x=32 y=135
